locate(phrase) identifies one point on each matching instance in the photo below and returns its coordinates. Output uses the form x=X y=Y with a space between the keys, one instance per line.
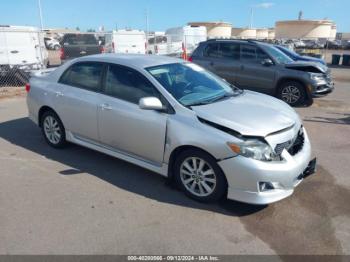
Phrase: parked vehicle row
x=179 y=120
x=264 y=68
x=52 y=43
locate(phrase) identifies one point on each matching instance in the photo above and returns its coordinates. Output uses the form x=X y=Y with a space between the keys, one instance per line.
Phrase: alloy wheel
x=290 y=94
x=52 y=130
x=198 y=176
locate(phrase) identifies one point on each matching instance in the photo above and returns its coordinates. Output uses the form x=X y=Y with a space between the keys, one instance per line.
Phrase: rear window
x=79 y=39
x=212 y=50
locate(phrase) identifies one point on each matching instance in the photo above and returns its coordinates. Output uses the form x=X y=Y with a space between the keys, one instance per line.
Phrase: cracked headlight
x=318 y=77
x=254 y=149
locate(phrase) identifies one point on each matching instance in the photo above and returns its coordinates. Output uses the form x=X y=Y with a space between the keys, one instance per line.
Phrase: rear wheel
x=199 y=176
x=292 y=92
x=53 y=130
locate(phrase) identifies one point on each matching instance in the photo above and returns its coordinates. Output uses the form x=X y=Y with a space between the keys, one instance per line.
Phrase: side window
x=248 y=53
x=212 y=50
x=128 y=84
x=229 y=50
x=84 y=75
x=261 y=55
x=252 y=54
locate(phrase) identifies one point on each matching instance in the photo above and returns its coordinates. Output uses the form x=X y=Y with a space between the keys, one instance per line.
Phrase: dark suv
x=262 y=67
x=77 y=45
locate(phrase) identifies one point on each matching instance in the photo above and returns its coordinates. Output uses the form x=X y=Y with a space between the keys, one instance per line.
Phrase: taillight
x=27 y=88
x=62 y=55
x=190 y=59
x=102 y=49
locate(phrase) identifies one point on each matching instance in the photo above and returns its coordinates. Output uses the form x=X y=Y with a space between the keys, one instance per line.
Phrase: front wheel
x=199 y=176
x=292 y=92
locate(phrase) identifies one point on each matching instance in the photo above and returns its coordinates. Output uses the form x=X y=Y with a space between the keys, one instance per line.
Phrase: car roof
x=240 y=41
x=132 y=60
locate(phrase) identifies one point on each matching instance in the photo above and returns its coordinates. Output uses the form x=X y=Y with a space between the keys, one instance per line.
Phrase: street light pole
x=41 y=15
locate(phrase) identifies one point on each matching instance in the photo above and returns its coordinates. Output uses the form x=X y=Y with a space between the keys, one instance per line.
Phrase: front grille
x=298 y=143
x=292 y=147
x=279 y=148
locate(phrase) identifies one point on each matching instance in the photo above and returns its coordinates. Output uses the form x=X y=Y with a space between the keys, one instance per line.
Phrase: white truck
x=22 y=49
x=126 y=41
x=185 y=38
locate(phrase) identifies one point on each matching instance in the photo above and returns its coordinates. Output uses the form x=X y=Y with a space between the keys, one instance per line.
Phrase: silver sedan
x=178 y=120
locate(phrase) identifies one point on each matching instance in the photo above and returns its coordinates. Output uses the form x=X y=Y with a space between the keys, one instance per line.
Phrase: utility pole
x=41 y=15
x=147 y=24
x=251 y=17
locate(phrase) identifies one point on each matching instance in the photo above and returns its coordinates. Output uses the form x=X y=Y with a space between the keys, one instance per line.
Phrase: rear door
x=221 y=58
x=77 y=97
x=125 y=127
x=21 y=47
x=208 y=57
x=252 y=74
x=4 y=60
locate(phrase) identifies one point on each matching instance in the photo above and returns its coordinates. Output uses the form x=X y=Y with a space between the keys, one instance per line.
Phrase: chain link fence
x=23 y=51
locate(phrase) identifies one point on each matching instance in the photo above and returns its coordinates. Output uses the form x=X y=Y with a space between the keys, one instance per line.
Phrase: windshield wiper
x=202 y=103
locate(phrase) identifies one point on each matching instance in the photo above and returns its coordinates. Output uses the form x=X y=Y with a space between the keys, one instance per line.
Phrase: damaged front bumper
x=257 y=182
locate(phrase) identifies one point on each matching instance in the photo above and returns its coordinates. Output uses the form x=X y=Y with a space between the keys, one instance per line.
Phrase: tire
x=292 y=92
x=53 y=129
x=215 y=181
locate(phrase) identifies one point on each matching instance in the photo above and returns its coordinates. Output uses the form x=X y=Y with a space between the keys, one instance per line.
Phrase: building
x=244 y=33
x=253 y=33
x=262 y=33
x=215 y=29
x=305 y=29
x=271 y=33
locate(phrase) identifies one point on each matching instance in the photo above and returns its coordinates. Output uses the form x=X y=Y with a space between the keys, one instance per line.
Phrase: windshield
x=192 y=85
x=278 y=55
x=288 y=51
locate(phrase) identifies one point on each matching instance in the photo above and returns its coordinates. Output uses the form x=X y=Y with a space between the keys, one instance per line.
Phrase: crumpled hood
x=250 y=114
x=301 y=64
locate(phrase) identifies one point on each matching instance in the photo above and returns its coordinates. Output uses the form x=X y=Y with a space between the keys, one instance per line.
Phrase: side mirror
x=151 y=103
x=267 y=62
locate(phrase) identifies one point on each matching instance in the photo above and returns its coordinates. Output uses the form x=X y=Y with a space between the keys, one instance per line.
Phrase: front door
x=122 y=124
x=252 y=74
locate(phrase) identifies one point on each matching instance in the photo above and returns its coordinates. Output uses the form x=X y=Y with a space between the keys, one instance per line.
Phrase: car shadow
x=344 y=120
x=23 y=133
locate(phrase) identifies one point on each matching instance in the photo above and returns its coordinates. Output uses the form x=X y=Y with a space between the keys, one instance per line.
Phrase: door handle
x=58 y=93
x=106 y=107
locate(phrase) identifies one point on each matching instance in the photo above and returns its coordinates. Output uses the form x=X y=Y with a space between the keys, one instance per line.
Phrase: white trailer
x=22 y=46
x=22 y=49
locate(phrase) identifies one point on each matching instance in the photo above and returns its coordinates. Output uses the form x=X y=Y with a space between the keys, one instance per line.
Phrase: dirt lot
x=77 y=201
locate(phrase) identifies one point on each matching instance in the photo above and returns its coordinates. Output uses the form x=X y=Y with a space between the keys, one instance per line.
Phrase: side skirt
x=160 y=169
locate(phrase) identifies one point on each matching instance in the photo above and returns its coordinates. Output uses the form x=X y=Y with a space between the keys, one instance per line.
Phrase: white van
x=185 y=38
x=126 y=41
x=157 y=45
x=23 y=47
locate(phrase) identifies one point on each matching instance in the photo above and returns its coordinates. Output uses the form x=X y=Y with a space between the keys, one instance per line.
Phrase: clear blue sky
x=168 y=13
